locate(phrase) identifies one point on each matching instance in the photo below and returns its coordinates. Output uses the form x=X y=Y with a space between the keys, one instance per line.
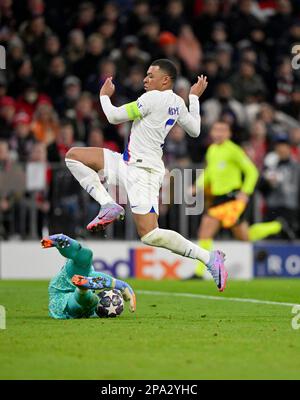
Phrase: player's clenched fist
x=199 y=87
x=108 y=88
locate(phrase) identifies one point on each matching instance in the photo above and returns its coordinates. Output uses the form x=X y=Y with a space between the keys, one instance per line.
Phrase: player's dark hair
x=168 y=66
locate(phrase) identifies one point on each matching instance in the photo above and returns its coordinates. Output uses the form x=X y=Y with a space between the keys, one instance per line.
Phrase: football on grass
x=111 y=303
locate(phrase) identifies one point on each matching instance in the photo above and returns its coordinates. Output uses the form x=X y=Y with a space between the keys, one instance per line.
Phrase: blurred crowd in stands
x=59 y=52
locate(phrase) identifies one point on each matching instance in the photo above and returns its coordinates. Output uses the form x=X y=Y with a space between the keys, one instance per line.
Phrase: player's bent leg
x=84 y=164
x=145 y=223
x=176 y=243
x=92 y=157
x=208 y=228
x=206 y=244
x=82 y=303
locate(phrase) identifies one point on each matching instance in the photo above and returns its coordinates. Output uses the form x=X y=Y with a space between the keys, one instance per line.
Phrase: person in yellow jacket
x=230 y=178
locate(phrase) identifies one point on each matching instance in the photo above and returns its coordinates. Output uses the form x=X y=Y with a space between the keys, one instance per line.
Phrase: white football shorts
x=142 y=185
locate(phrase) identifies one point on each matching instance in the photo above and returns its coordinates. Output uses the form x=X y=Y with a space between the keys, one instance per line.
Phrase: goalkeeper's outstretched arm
x=69 y=248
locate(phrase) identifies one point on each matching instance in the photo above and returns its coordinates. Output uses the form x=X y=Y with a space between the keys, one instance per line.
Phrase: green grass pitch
x=169 y=337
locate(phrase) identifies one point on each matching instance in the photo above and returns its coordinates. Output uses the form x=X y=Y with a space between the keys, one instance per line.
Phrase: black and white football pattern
x=110 y=304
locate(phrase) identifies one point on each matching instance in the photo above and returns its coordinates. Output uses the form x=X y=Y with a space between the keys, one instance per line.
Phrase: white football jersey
x=159 y=111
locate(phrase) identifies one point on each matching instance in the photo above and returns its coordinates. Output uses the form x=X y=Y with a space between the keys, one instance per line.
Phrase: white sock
x=176 y=243
x=89 y=180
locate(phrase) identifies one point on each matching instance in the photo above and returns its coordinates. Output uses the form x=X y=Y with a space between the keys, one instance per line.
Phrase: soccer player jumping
x=71 y=290
x=140 y=169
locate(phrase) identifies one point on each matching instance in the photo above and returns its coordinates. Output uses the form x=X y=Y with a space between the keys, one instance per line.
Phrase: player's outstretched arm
x=116 y=115
x=190 y=120
x=69 y=248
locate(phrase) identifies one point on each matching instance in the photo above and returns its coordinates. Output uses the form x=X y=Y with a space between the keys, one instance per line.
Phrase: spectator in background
x=173 y=18
x=257 y=146
x=108 y=30
x=95 y=51
x=223 y=102
x=137 y=17
x=290 y=38
x=248 y=86
x=111 y=10
x=280 y=184
x=56 y=75
x=129 y=55
x=22 y=139
x=23 y=77
x=281 y=21
x=284 y=83
x=85 y=117
x=34 y=32
x=204 y=24
x=45 y=123
x=86 y=19
x=133 y=84
x=105 y=69
x=168 y=46
x=295 y=143
x=10 y=190
x=96 y=138
x=243 y=21
x=44 y=58
x=15 y=56
x=293 y=107
x=40 y=197
x=65 y=104
x=3 y=85
x=275 y=121
x=189 y=50
x=182 y=88
x=30 y=98
x=149 y=37
x=224 y=55
x=57 y=150
x=75 y=49
x=7 y=113
x=176 y=148
x=210 y=69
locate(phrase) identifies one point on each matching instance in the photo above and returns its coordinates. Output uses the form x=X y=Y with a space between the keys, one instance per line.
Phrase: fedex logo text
x=141 y=263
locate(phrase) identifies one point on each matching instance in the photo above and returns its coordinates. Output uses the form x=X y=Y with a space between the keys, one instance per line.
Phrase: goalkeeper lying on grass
x=71 y=290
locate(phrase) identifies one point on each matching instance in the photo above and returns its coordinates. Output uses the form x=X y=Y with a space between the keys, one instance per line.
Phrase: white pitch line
x=205 y=297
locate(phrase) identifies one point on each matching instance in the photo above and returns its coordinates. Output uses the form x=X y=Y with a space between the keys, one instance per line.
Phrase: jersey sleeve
x=118 y=115
x=190 y=120
x=146 y=102
x=249 y=169
x=131 y=111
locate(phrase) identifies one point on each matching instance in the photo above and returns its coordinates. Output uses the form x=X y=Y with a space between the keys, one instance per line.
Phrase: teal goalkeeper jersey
x=79 y=261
